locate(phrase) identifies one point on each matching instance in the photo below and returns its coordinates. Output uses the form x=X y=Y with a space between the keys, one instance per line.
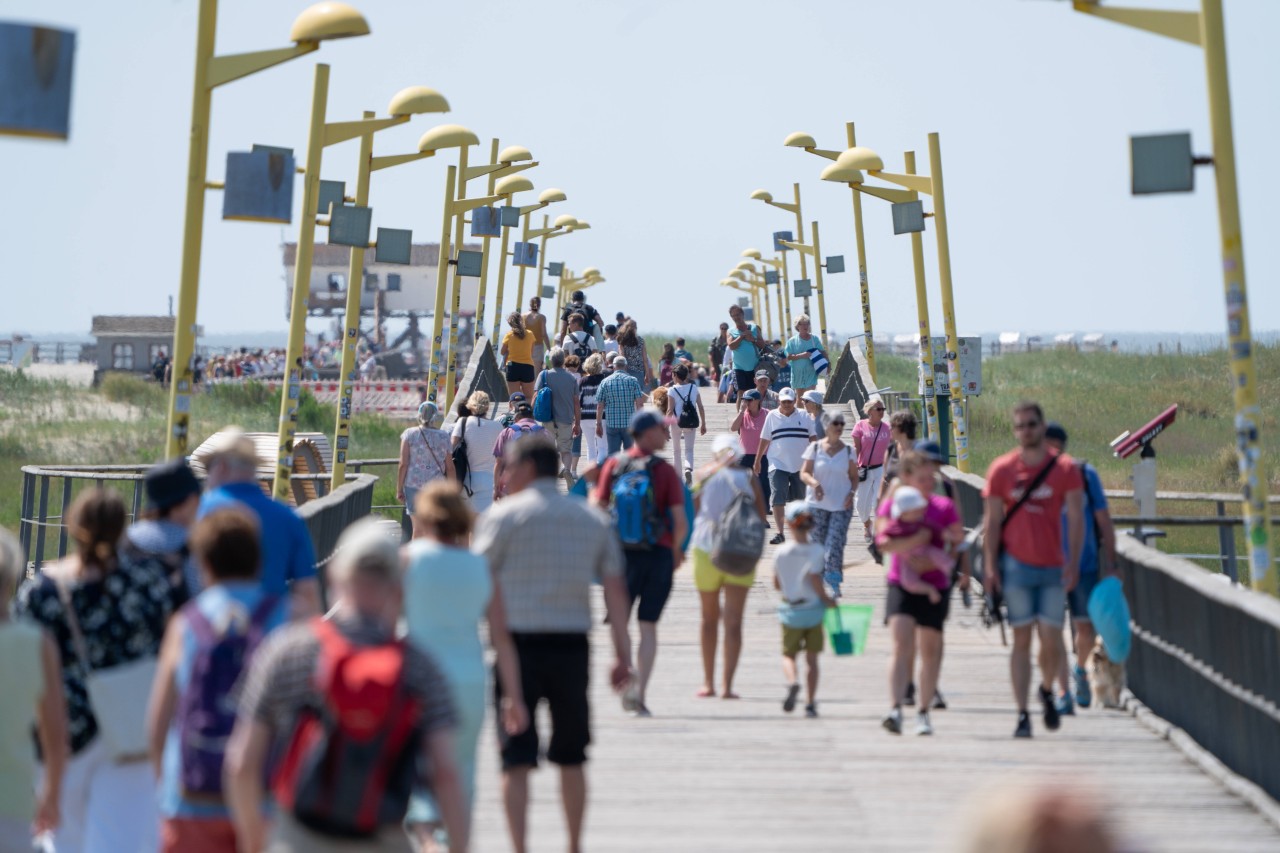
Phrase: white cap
x=725 y=444
x=787 y=394
x=812 y=396
x=907 y=499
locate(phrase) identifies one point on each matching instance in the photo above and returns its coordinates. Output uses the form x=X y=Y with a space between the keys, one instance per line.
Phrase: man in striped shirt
x=787 y=431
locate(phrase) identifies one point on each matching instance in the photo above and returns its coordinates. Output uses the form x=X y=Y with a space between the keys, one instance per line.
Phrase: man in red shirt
x=1022 y=542
x=650 y=565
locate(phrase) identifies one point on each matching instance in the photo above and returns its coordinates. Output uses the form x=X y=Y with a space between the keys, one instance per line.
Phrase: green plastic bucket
x=847 y=627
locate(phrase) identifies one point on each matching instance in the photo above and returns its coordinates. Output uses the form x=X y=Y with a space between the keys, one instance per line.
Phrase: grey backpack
x=738 y=538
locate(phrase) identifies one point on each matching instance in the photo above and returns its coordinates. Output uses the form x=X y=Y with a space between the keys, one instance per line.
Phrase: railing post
x=1227 y=545
x=41 y=518
x=62 y=518
x=137 y=498
x=24 y=523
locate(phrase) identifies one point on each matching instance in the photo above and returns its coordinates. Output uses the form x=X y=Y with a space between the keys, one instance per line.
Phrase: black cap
x=169 y=484
x=1055 y=431
x=930 y=450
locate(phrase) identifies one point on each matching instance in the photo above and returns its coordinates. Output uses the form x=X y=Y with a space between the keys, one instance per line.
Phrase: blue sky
x=658 y=120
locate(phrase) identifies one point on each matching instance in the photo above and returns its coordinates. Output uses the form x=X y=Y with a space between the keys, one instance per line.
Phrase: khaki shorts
x=795 y=639
x=561 y=433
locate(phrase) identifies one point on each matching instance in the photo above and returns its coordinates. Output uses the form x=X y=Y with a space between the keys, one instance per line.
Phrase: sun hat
x=907 y=499
x=727 y=444
x=787 y=394
x=812 y=396
x=645 y=419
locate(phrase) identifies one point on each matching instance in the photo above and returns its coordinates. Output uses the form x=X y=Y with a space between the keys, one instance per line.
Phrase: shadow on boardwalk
x=712 y=775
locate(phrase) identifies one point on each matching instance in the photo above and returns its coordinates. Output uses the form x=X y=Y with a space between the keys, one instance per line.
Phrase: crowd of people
x=187 y=695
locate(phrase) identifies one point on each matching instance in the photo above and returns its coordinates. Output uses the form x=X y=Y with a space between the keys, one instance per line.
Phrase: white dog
x=1105 y=676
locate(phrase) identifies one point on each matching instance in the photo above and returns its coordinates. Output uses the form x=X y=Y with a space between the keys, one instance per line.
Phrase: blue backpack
x=633 y=505
x=543 y=410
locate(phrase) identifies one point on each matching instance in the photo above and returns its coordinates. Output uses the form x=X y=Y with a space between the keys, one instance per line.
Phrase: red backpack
x=352 y=762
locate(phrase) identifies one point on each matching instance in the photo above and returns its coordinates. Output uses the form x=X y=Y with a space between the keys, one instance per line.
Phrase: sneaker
x=643 y=711
x=910 y=699
x=778 y=539
x=1051 y=718
x=923 y=726
x=811 y=710
x=1066 y=707
x=938 y=704
x=1024 y=725
x=688 y=477
x=789 y=704
x=892 y=722
x=1084 y=695
x=631 y=697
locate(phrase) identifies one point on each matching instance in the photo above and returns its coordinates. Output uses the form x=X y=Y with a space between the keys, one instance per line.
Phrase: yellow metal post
x=459 y=236
x=351 y=325
x=484 y=256
x=1243 y=371
x=817 y=280
x=804 y=270
x=520 y=285
x=292 y=389
x=779 y=287
x=759 y=286
x=502 y=280
x=184 y=324
x=542 y=251
x=868 y=338
x=442 y=282
x=922 y=312
x=959 y=424
x=786 y=287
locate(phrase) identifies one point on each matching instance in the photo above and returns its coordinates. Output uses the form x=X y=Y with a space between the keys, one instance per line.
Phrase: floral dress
x=428 y=450
x=635 y=360
x=122 y=617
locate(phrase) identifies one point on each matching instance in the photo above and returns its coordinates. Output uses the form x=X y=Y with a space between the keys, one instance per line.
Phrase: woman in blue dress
x=447 y=590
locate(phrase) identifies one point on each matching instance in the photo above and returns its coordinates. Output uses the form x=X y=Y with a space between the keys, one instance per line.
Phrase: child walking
x=797 y=574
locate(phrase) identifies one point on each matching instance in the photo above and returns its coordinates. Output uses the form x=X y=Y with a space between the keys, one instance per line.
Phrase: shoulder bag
x=461 y=464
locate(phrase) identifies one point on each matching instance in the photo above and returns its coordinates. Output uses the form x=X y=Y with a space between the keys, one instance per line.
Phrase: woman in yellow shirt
x=517 y=349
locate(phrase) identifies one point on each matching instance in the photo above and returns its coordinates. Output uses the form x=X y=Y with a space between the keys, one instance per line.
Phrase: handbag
x=819 y=360
x=118 y=696
x=461 y=464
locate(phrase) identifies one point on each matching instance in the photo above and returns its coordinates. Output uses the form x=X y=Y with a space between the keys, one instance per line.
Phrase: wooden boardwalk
x=712 y=775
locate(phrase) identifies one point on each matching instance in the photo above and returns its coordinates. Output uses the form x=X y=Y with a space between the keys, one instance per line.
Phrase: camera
x=1128 y=443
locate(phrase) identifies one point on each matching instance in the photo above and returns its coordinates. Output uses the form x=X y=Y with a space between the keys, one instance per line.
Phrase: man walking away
x=1097 y=560
x=547 y=550
x=617 y=399
x=1026 y=492
x=566 y=413
x=646 y=497
x=787 y=431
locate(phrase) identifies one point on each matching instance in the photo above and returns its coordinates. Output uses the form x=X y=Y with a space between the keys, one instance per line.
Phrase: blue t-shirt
x=802 y=372
x=745 y=357
x=287 y=553
x=1094 y=499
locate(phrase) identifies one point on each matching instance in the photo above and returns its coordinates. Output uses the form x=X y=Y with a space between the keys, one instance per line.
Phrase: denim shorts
x=1032 y=593
x=1078 y=598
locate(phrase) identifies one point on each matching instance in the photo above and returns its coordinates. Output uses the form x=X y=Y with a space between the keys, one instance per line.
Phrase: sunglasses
x=1026 y=424
x=877 y=408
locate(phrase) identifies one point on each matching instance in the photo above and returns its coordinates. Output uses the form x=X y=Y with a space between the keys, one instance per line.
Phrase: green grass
x=1097 y=396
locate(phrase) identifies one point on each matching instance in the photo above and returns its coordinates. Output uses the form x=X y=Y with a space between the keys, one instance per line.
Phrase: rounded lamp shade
x=591 y=272
x=861 y=158
x=842 y=174
x=580 y=225
x=751 y=253
x=551 y=194
x=328 y=20
x=513 y=184
x=739 y=275
x=799 y=140
x=416 y=100
x=447 y=136
x=565 y=221
x=762 y=195
x=514 y=154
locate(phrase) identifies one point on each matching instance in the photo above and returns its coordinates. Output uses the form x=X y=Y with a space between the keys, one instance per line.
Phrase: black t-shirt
x=583 y=308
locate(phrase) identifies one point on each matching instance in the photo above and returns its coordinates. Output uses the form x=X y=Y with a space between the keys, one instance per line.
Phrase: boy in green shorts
x=797 y=574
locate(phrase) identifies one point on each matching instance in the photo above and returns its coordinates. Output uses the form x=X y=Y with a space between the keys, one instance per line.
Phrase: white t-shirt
x=788 y=436
x=482 y=434
x=793 y=564
x=717 y=492
x=609 y=346
x=573 y=339
x=832 y=472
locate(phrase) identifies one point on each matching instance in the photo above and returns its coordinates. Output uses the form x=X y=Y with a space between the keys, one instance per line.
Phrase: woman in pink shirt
x=747 y=425
x=870 y=443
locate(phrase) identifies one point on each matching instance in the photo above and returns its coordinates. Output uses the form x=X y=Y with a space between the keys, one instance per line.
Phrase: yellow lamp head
x=739 y=275
x=513 y=184
x=799 y=140
x=447 y=136
x=746 y=266
x=581 y=225
x=861 y=158
x=415 y=100
x=551 y=195
x=565 y=221
x=842 y=174
x=591 y=272
x=328 y=20
x=762 y=195
x=728 y=282
x=514 y=154
x=752 y=253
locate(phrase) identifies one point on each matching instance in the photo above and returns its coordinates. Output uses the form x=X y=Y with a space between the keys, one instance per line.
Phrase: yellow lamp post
x=865 y=159
x=794 y=208
x=529 y=234
x=570 y=282
x=757 y=282
x=806 y=142
x=784 y=313
x=568 y=224
x=508 y=157
x=1206 y=28
x=509 y=186
x=815 y=249
x=320 y=22
x=407 y=102
x=743 y=283
x=322 y=135
x=742 y=287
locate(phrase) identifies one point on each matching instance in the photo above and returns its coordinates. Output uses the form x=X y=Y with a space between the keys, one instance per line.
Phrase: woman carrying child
x=917 y=617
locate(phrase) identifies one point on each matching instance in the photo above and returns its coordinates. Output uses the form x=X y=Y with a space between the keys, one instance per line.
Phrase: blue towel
x=820 y=362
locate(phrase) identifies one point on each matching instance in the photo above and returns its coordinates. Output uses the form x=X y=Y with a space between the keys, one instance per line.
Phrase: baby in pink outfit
x=907 y=514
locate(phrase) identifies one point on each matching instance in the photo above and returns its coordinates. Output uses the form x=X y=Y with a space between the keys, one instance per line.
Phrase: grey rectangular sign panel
x=908 y=217
x=332 y=193
x=469 y=263
x=778 y=237
x=803 y=287
x=1162 y=163
x=395 y=246
x=35 y=80
x=349 y=225
x=525 y=255
x=835 y=264
x=258 y=186
x=484 y=222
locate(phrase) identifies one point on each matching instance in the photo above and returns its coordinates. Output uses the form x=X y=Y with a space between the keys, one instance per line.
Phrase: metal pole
x=524 y=238
x=1243 y=371
x=459 y=235
x=292 y=388
x=763 y=292
x=778 y=286
x=442 y=281
x=502 y=280
x=868 y=339
x=184 y=323
x=351 y=323
x=484 y=248
x=786 y=286
x=922 y=313
x=542 y=256
x=804 y=270
x=959 y=424
x=817 y=280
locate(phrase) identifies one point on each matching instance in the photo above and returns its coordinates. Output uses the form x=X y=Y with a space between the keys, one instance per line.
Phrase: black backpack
x=580 y=347
x=461 y=464
x=687 y=417
x=585 y=311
